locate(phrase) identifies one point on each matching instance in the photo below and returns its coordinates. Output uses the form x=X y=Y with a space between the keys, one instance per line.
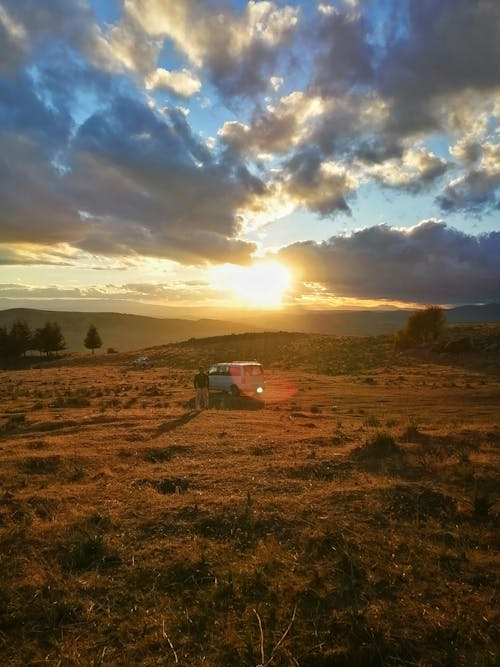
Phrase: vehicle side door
x=216 y=377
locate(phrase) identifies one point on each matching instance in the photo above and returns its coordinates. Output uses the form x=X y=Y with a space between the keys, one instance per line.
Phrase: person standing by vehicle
x=201 y=389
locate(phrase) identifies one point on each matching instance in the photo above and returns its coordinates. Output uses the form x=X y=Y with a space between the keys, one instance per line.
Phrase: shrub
x=41 y=465
x=382 y=445
x=421 y=326
x=14 y=421
x=482 y=503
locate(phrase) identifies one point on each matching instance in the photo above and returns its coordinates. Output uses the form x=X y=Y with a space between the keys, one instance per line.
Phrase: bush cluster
x=421 y=326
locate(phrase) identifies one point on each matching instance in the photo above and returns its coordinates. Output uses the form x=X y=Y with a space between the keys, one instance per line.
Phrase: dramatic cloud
x=448 y=46
x=134 y=183
x=479 y=188
x=321 y=186
x=239 y=50
x=294 y=116
x=278 y=130
x=345 y=57
x=414 y=171
x=434 y=68
x=428 y=263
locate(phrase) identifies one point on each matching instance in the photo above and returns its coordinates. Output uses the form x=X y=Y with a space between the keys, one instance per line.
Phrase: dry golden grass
x=352 y=519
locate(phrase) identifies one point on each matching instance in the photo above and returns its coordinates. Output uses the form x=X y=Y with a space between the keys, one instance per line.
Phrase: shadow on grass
x=175 y=423
x=221 y=401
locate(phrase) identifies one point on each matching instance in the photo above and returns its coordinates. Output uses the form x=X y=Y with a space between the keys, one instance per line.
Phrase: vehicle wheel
x=234 y=391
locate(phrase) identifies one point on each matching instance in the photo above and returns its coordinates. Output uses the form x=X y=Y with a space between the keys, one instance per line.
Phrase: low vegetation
x=421 y=326
x=350 y=519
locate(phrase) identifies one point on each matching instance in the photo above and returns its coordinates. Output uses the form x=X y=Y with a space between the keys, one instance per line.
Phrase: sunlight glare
x=261 y=285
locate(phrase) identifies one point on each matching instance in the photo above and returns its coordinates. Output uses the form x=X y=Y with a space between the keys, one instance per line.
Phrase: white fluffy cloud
x=183 y=83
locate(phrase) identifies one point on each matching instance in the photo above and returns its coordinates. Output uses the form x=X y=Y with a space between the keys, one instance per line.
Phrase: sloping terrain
x=350 y=519
x=126 y=332
x=121 y=331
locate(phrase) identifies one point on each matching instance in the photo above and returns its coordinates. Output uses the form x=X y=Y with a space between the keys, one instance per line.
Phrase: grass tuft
x=381 y=445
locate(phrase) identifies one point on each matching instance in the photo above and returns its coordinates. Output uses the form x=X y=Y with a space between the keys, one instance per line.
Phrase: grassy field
x=350 y=519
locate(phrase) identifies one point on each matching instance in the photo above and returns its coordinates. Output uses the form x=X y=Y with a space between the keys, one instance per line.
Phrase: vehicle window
x=256 y=369
x=213 y=370
x=235 y=370
x=223 y=370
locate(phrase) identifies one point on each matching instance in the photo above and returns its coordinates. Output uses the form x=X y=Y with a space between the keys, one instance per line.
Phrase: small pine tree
x=92 y=339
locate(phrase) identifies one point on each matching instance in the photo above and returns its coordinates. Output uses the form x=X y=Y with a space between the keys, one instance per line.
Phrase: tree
x=49 y=338
x=421 y=326
x=4 y=342
x=17 y=341
x=20 y=338
x=92 y=339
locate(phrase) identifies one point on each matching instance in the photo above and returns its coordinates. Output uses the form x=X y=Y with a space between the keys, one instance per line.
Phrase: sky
x=218 y=154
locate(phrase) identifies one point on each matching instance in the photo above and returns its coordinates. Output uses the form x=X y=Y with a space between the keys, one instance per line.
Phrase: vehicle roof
x=238 y=363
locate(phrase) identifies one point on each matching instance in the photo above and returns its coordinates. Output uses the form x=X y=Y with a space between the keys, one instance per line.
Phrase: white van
x=237 y=377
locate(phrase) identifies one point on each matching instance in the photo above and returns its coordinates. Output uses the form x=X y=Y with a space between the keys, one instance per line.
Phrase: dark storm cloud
x=429 y=263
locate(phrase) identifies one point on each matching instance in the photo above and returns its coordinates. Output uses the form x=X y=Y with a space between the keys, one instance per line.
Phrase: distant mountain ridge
x=125 y=332
x=122 y=331
x=368 y=322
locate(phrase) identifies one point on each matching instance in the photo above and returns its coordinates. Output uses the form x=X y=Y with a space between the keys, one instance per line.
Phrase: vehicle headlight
x=260 y=390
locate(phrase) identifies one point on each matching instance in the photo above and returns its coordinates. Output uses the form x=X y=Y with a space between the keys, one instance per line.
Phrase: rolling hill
x=365 y=322
x=121 y=331
x=125 y=332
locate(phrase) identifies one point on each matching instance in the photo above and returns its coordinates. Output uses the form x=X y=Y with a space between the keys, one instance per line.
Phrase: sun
x=261 y=285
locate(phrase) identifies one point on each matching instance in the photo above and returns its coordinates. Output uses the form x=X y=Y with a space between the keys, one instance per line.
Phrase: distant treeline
x=20 y=339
